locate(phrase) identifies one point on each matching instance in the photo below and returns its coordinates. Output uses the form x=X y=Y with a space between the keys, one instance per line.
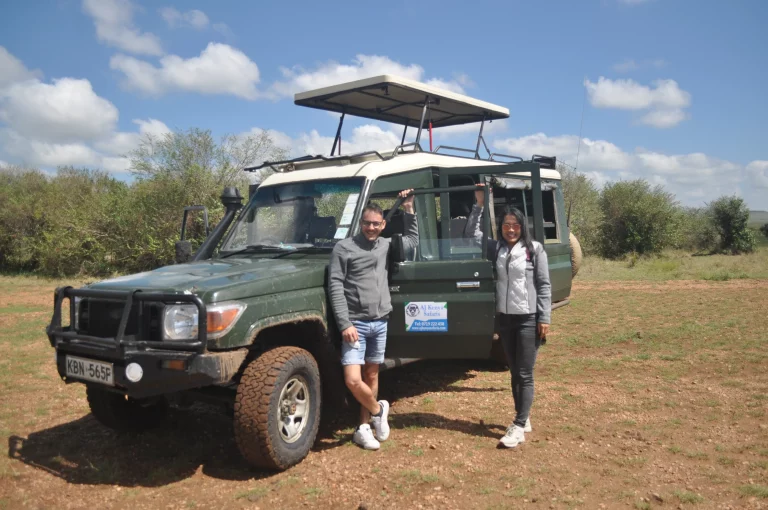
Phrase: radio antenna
x=581 y=124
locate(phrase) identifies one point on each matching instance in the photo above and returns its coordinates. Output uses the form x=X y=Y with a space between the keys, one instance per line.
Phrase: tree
x=637 y=218
x=582 y=207
x=180 y=169
x=730 y=216
x=764 y=230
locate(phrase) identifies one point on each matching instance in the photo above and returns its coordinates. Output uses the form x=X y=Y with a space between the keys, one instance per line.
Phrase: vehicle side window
x=551 y=228
x=523 y=200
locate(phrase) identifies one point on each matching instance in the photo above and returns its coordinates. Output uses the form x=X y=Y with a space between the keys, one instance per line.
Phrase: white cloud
x=4 y=164
x=66 y=110
x=630 y=95
x=364 y=138
x=298 y=79
x=758 y=174
x=665 y=100
x=108 y=154
x=114 y=26
x=219 y=69
x=12 y=70
x=62 y=123
x=122 y=142
x=194 y=19
x=664 y=118
x=694 y=178
x=450 y=86
x=37 y=153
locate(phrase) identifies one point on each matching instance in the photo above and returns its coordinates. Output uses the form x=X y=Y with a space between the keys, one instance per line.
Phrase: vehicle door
x=443 y=295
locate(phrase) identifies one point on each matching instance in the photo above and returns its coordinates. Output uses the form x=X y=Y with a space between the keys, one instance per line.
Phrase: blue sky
x=674 y=91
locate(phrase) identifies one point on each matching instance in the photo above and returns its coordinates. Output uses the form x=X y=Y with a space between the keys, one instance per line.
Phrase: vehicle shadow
x=83 y=451
x=200 y=439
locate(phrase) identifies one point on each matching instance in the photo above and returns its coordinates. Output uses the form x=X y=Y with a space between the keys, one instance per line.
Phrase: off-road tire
x=576 y=254
x=124 y=414
x=257 y=408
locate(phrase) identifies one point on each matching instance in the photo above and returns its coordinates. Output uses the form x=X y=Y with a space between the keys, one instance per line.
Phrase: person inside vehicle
x=359 y=295
x=523 y=304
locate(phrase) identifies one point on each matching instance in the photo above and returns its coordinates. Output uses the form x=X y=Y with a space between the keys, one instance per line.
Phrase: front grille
x=101 y=318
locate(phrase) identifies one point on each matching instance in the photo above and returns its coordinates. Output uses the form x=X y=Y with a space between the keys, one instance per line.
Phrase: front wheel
x=277 y=408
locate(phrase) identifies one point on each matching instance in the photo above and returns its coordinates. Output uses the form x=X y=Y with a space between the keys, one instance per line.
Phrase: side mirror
x=396 y=248
x=183 y=251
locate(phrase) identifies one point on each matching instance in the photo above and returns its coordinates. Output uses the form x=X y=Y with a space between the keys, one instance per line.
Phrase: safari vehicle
x=246 y=320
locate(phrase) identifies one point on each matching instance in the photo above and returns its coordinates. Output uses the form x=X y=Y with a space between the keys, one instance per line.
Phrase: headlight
x=180 y=322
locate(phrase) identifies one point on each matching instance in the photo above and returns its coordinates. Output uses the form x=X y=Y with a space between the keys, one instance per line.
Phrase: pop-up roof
x=401 y=101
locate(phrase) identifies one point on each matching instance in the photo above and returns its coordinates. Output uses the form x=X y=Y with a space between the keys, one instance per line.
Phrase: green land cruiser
x=246 y=319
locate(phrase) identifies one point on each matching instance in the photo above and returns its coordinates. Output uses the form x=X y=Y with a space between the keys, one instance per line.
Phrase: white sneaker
x=528 y=427
x=380 y=425
x=364 y=437
x=513 y=437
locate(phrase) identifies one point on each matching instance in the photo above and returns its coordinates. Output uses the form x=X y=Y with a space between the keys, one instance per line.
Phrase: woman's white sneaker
x=513 y=437
x=528 y=427
x=364 y=437
x=380 y=424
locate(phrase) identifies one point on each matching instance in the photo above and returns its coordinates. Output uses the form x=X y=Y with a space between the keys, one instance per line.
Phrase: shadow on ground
x=200 y=438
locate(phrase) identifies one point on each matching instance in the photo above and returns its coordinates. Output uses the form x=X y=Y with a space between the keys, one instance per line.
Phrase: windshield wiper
x=304 y=249
x=252 y=248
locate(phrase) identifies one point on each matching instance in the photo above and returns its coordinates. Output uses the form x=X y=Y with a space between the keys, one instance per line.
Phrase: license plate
x=90 y=370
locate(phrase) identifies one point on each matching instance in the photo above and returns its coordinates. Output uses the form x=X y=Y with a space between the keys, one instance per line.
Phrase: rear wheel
x=277 y=408
x=125 y=414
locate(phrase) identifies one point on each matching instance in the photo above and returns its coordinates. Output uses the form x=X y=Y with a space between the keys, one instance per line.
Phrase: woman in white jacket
x=523 y=305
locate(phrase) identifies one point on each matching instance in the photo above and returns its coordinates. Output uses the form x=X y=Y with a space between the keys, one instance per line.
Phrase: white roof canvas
x=400 y=101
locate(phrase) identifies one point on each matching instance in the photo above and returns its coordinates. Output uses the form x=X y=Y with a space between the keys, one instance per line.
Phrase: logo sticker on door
x=426 y=317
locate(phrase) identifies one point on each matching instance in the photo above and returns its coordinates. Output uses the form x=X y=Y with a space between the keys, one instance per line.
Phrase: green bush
x=764 y=230
x=582 y=208
x=697 y=231
x=730 y=217
x=637 y=219
x=88 y=222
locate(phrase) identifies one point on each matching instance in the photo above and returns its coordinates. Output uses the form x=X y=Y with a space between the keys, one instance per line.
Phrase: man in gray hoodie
x=361 y=303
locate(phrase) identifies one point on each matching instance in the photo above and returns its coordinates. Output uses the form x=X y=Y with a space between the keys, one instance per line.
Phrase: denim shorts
x=373 y=342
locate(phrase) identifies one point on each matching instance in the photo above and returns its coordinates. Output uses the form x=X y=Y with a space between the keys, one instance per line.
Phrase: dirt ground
x=649 y=395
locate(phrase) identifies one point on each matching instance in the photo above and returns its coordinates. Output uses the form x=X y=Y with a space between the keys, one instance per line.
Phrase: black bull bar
x=120 y=342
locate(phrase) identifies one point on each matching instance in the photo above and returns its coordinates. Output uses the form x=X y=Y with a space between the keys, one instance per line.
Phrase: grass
x=254 y=494
x=759 y=491
x=678 y=265
x=688 y=497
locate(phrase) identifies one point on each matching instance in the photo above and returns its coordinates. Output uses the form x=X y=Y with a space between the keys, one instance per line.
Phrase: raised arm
x=473 y=229
x=410 y=225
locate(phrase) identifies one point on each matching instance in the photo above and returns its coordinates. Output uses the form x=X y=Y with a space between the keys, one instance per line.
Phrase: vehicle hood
x=225 y=279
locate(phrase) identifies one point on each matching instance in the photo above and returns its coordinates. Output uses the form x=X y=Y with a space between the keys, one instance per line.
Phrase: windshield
x=297 y=215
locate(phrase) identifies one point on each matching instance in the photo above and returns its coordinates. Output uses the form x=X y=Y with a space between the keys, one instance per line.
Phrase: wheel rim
x=294 y=409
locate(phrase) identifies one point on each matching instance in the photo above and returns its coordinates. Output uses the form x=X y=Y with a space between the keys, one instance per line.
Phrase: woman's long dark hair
x=525 y=235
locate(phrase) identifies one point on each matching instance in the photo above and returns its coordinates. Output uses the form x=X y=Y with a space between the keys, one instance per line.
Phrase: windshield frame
x=358 y=181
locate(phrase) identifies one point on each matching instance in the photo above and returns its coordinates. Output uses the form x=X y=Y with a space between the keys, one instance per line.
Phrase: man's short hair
x=374 y=208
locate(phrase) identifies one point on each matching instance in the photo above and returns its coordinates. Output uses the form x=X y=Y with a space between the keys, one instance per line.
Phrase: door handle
x=467 y=285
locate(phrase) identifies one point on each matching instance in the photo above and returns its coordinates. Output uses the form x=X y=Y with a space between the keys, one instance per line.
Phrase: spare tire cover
x=576 y=254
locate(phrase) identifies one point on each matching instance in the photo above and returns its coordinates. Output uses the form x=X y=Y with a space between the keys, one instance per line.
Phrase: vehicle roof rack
x=401 y=101
x=406 y=102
